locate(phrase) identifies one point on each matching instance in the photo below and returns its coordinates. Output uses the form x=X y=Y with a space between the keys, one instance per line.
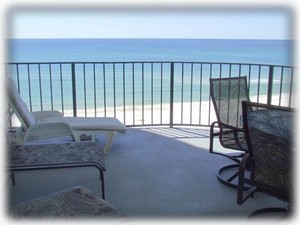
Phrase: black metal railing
x=143 y=93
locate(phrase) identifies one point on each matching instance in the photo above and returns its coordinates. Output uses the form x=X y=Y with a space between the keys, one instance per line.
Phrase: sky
x=150 y=23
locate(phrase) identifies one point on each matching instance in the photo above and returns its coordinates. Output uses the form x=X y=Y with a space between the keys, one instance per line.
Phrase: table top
x=55 y=154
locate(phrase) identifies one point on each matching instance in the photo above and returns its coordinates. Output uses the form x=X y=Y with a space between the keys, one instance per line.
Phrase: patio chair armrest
x=241 y=140
x=48 y=130
x=236 y=129
x=39 y=115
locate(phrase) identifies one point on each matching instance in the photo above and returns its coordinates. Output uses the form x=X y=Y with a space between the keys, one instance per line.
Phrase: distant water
x=275 y=52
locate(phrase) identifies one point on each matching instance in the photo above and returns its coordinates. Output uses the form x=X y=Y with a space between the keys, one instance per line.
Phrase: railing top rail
x=130 y=62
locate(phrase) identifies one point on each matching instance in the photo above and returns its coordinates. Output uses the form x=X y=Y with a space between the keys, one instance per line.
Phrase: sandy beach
x=195 y=113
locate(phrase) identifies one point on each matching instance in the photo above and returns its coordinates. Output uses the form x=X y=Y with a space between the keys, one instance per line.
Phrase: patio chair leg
x=232 y=179
x=228 y=181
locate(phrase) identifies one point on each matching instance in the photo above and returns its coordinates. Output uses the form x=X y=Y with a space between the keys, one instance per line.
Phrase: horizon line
x=160 y=38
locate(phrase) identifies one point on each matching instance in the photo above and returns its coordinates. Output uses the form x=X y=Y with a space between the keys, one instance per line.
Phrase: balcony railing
x=143 y=93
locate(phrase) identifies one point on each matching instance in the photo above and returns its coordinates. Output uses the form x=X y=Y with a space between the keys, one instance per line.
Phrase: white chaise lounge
x=49 y=124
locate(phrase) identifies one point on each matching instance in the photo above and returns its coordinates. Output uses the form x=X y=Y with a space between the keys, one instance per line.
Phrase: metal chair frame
x=225 y=126
x=16 y=163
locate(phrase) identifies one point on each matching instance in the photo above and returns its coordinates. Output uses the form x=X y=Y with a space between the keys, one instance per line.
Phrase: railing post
x=74 y=89
x=171 y=93
x=270 y=85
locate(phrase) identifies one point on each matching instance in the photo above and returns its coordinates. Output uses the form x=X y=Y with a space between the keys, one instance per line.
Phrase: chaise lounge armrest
x=49 y=130
x=39 y=115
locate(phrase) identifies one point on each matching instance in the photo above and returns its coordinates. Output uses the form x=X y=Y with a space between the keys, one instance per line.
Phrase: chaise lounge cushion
x=73 y=203
x=89 y=123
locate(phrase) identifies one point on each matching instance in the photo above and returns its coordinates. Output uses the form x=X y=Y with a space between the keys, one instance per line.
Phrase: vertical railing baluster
x=29 y=87
x=84 y=88
x=143 y=95
x=124 y=95
x=151 y=93
x=239 y=102
x=161 y=91
x=18 y=77
x=281 y=84
x=104 y=89
x=258 y=83
x=191 y=99
x=249 y=80
x=95 y=89
x=74 y=89
x=171 y=94
x=182 y=96
x=200 y=94
x=291 y=87
x=114 y=89
x=61 y=89
x=40 y=83
x=51 y=86
x=270 y=85
x=209 y=105
x=228 y=100
x=133 y=93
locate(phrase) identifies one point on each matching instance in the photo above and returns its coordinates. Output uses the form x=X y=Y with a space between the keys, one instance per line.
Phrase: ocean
x=278 y=52
x=137 y=92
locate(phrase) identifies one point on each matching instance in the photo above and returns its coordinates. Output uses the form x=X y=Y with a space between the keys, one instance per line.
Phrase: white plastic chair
x=52 y=124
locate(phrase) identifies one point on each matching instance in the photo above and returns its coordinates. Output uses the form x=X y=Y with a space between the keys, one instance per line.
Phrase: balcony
x=144 y=93
x=161 y=168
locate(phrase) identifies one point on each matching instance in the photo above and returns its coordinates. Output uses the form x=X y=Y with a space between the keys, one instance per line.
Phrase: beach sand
x=183 y=113
x=186 y=113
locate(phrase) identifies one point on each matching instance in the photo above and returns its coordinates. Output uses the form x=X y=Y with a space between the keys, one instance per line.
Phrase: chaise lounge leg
x=110 y=136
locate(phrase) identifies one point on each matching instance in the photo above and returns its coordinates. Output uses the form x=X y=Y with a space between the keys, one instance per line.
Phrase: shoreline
x=160 y=113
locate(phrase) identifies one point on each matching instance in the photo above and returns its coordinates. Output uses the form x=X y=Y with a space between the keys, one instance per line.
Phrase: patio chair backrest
x=18 y=105
x=227 y=95
x=269 y=134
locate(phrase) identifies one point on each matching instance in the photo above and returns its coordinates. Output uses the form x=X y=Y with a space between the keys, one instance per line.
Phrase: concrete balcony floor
x=152 y=173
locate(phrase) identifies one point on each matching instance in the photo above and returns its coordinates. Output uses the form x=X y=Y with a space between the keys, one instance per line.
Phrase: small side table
x=55 y=156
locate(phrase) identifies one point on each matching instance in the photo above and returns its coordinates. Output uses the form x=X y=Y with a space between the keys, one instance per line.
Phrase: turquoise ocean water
x=101 y=50
x=275 y=52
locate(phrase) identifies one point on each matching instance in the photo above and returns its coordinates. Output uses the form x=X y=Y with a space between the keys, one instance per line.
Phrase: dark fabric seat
x=77 y=202
x=55 y=156
x=269 y=133
x=227 y=95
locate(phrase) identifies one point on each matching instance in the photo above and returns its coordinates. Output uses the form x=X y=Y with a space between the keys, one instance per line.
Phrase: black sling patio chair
x=269 y=135
x=227 y=95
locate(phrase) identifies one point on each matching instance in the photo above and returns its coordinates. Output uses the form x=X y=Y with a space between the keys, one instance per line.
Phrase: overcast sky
x=186 y=23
